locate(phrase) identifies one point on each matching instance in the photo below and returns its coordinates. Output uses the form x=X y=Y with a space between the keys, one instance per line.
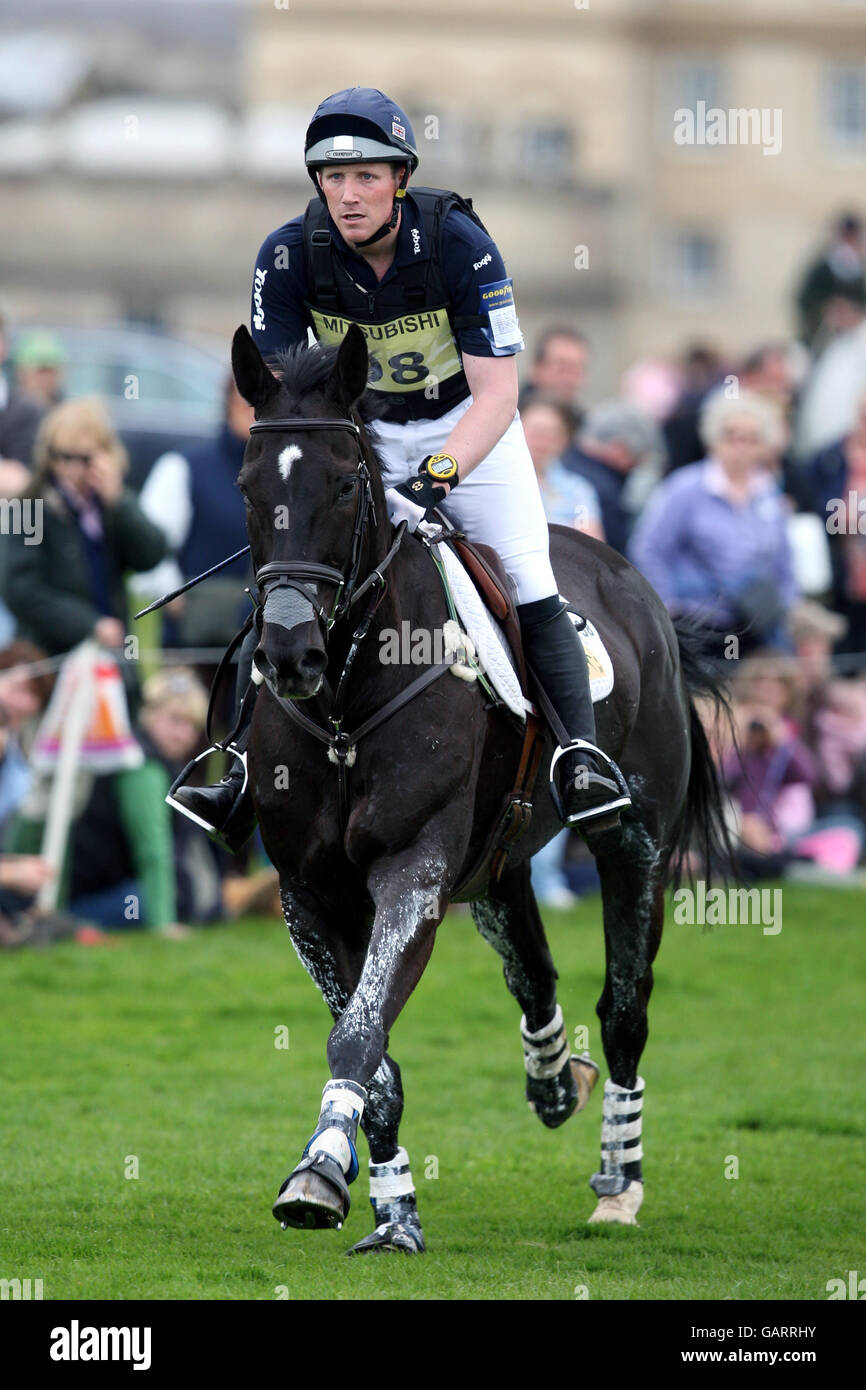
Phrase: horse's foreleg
x=409 y=901
x=633 y=899
x=316 y=1194
x=557 y=1084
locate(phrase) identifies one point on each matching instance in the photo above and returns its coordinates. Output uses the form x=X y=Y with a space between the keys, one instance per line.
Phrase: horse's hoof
x=621 y=1209
x=392 y=1236
x=554 y=1099
x=585 y=1073
x=310 y=1200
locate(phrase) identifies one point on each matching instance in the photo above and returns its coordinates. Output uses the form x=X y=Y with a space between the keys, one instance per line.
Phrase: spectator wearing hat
x=39 y=360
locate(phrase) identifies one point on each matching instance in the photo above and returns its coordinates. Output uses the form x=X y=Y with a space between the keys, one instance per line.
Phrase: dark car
x=162 y=392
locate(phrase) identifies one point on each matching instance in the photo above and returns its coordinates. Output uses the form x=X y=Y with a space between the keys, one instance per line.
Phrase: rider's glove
x=413 y=500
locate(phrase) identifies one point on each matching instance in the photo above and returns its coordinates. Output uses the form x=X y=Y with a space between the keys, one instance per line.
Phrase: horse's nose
x=312 y=663
x=264 y=665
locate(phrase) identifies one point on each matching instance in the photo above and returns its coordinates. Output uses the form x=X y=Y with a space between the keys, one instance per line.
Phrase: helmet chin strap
x=388 y=226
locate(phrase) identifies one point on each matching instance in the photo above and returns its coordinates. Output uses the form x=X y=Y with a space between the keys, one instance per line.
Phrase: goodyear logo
x=504 y=290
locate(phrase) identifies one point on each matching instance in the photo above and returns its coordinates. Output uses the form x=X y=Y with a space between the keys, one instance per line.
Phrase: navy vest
x=218 y=515
x=408 y=321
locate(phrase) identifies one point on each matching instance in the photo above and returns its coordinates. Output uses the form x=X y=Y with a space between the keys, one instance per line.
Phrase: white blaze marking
x=286 y=459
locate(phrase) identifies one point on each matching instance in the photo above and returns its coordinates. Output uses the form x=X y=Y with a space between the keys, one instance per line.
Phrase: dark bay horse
x=366 y=882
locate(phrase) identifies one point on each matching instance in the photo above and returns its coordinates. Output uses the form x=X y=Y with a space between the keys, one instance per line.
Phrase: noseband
x=292 y=574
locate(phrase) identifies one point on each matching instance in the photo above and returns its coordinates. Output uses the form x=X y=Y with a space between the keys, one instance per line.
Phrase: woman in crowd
x=713 y=538
x=65 y=580
x=569 y=500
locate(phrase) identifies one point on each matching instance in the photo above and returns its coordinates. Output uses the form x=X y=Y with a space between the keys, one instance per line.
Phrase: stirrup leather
x=183 y=777
x=619 y=803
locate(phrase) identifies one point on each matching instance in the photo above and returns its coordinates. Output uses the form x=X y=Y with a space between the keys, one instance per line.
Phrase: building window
x=845 y=105
x=692 y=265
x=691 y=84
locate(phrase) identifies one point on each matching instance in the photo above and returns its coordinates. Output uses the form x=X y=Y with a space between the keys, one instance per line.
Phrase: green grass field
x=165 y=1051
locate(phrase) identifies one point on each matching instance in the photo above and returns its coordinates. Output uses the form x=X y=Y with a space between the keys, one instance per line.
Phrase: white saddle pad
x=492 y=650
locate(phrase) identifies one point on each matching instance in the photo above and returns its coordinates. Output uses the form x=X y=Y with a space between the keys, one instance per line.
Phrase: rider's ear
x=348 y=380
x=256 y=383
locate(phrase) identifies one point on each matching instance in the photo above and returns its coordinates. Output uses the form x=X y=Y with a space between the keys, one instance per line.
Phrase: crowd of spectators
x=735 y=483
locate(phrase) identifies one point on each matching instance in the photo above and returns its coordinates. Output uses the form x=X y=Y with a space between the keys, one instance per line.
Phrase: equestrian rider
x=425 y=281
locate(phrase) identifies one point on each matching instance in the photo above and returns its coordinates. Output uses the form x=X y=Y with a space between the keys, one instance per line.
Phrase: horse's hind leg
x=557 y=1084
x=310 y=1199
x=633 y=899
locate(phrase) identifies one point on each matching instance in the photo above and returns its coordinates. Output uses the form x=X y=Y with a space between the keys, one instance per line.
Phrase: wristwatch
x=440 y=468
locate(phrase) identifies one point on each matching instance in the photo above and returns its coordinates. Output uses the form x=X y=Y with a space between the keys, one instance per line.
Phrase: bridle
x=299 y=574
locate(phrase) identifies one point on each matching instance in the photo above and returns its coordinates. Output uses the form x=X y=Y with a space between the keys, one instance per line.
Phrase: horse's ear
x=255 y=381
x=348 y=381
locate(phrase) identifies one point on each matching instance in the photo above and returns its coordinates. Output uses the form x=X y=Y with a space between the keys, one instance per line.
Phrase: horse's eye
x=347 y=489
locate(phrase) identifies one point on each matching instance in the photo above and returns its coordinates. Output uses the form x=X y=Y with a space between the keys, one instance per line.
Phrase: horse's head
x=309 y=498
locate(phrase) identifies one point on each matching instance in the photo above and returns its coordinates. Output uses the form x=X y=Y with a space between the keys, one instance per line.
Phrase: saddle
x=487 y=572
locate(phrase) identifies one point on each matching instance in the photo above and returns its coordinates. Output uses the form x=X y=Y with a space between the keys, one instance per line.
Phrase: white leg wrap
x=345 y=1097
x=335 y=1144
x=545 y=1053
x=392 y=1179
x=342 y=1107
x=621 y=1147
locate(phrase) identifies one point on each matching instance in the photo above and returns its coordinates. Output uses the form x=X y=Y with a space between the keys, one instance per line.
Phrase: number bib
x=407 y=353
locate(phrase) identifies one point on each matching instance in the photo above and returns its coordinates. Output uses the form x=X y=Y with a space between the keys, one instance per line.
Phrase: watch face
x=442 y=466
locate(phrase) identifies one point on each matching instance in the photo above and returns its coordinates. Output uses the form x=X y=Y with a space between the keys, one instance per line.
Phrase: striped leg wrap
x=545 y=1053
x=621 y=1150
x=337 y=1126
x=392 y=1197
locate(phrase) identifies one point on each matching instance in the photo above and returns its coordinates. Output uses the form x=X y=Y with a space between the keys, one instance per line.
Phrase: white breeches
x=499 y=503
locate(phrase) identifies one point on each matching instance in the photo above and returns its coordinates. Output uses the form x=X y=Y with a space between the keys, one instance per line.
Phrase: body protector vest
x=409 y=324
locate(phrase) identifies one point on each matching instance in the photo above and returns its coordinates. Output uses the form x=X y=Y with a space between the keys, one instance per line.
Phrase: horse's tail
x=704 y=825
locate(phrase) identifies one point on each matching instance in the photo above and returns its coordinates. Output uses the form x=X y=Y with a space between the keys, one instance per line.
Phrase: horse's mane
x=303 y=370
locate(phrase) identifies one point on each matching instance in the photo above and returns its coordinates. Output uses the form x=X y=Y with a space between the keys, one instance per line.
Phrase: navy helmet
x=361 y=125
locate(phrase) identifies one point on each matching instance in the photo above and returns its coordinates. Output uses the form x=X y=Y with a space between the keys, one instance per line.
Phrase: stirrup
x=608 y=808
x=184 y=776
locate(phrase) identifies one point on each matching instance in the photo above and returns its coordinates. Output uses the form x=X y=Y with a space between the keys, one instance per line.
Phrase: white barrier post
x=72 y=733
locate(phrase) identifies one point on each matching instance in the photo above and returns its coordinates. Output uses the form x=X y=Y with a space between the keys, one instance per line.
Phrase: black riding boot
x=585 y=783
x=225 y=811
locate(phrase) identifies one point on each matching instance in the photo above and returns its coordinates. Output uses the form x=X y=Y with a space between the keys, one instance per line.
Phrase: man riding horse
x=422 y=277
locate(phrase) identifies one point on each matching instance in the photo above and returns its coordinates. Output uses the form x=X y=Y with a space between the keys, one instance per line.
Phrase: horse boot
x=225 y=810
x=587 y=788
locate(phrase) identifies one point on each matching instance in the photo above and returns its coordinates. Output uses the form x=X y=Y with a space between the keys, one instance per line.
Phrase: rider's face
x=359 y=197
